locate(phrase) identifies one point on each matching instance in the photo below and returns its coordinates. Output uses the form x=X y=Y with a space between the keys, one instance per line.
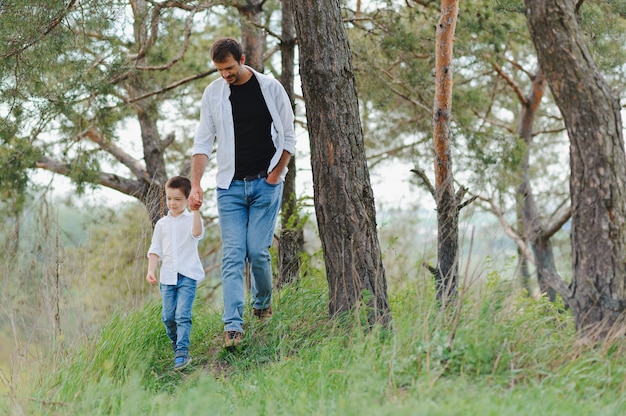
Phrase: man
x=251 y=117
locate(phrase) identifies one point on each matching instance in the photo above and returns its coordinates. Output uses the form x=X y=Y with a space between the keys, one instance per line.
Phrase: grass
x=504 y=354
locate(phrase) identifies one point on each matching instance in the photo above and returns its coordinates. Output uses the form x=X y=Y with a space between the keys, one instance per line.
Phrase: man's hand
x=198 y=163
x=195 y=198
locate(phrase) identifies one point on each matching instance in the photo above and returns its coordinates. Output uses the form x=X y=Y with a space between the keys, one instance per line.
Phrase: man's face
x=231 y=70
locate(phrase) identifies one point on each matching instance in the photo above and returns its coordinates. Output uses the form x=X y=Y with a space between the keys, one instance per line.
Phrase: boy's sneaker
x=232 y=339
x=263 y=314
x=181 y=362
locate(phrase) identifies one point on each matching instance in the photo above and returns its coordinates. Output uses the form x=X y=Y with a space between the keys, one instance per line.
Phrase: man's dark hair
x=224 y=47
x=180 y=182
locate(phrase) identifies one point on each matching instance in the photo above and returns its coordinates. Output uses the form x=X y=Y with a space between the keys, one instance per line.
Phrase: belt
x=254 y=177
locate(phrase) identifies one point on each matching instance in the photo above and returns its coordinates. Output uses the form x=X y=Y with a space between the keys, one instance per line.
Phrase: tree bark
x=152 y=190
x=343 y=196
x=446 y=275
x=291 y=240
x=252 y=37
x=598 y=166
x=530 y=218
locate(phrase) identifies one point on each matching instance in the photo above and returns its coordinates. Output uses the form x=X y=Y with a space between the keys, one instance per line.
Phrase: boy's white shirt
x=177 y=248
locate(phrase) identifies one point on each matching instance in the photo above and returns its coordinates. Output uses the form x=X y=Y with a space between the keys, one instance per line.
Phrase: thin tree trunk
x=291 y=241
x=531 y=221
x=343 y=196
x=522 y=266
x=524 y=272
x=446 y=200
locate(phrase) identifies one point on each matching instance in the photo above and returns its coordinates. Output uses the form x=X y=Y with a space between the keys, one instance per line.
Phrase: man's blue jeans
x=247 y=215
x=177 y=302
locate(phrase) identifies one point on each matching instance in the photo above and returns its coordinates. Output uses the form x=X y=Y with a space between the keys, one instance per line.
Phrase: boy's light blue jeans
x=247 y=215
x=177 y=302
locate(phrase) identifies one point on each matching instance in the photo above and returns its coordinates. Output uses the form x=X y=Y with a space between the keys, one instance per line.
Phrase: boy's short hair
x=180 y=182
x=224 y=47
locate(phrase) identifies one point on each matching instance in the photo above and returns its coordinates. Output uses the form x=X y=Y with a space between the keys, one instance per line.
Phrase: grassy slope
x=510 y=355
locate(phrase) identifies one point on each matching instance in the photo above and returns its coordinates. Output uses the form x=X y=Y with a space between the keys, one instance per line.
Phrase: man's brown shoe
x=232 y=339
x=263 y=314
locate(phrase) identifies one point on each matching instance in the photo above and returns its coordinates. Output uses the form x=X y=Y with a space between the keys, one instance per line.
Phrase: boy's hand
x=151 y=278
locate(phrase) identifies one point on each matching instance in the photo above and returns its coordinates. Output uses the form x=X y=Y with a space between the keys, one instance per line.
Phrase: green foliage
x=74 y=66
x=393 y=62
x=112 y=262
x=394 y=52
x=604 y=25
x=69 y=269
x=17 y=156
x=506 y=354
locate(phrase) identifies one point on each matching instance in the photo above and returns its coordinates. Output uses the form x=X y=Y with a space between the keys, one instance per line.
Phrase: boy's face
x=176 y=201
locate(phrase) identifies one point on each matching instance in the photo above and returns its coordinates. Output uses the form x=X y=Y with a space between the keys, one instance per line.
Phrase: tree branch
x=558 y=224
x=170 y=87
x=169 y=139
x=579 y=3
x=410 y=100
x=420 y=172
x=426 y=3
x=376 y=158
x=49 y=28
x=514 y=85
x=399 y=93
x=494 y=122
x=154 y=29
x=558 y=284
x=508 y=230
x=460 y=194
x=110 y=180
x=123 y=185
x=520 y=67
x=127 y=160
x=548 y=131
x=467 y=202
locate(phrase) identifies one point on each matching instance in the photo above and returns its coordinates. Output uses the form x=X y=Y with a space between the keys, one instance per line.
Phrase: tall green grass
x=500 y=353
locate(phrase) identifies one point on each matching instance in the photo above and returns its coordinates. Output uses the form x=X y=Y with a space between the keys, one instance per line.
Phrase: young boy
x=175 y=243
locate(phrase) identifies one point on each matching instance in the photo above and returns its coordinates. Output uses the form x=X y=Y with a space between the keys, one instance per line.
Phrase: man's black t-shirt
x=253 y=137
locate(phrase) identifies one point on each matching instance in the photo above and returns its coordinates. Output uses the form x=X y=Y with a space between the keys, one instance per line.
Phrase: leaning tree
x=591 y=110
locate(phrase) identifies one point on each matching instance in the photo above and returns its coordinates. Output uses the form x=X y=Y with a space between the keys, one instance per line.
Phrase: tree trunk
x=253 y=44
x=522 y=265
x=446 y=275
x=598 y=166
x=524 y=273
x=530 y=218
x=343 y=196
x=152 y=191
x=291 y=241
x=252 y=36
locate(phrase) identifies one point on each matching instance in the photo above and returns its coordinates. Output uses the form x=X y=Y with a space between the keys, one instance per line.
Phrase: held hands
x=195 y=198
